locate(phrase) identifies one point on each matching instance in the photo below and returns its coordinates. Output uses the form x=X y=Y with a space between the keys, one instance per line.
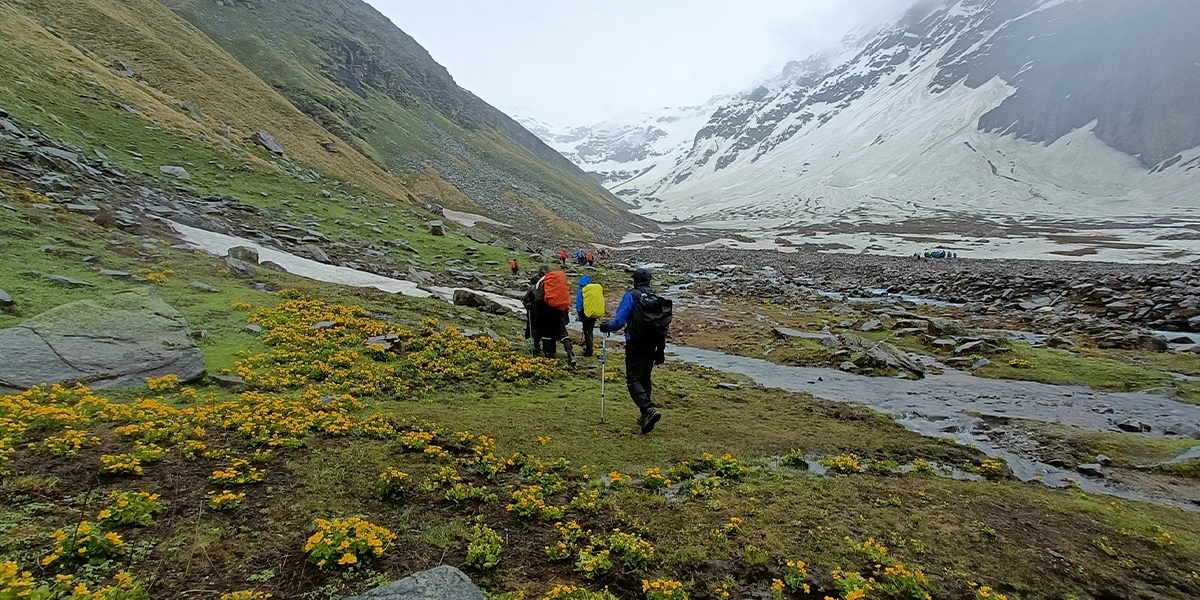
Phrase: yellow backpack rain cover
x=593 y=301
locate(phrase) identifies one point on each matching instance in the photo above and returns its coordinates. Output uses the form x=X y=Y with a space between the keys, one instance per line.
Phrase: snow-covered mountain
x=1044 y=108
x=1037 y=110
x=630 y=144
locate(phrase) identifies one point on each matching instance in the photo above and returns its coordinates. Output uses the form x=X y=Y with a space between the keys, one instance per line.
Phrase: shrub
x=566 y=592
x=239 y=472
x=346 y=541
x=796 y=578
x=587 y=501
x=393 y=484
x=69 y=443
x=593 y=562
x=120 y=464
x=530 y=501
x=795 y=458
x=484 y=551
x=655 y=480
x=461 y=492
x=663 y=589
x=83 y=543
x=634 y=551
x=569 y=535
x=131 y=508
x=845 y=464
x=226 y=500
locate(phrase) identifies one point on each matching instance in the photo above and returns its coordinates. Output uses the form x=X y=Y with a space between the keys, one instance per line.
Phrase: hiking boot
x=649 y=420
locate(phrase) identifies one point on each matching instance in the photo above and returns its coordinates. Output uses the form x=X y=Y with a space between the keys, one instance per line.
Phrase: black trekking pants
x=589 y=327
x=639 y=364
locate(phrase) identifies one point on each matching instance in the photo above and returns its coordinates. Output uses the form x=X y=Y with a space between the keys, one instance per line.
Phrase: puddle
x=951 y=404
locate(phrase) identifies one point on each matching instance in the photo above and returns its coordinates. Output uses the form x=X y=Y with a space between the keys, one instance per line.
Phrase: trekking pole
x=603 y=364
x=529 y=330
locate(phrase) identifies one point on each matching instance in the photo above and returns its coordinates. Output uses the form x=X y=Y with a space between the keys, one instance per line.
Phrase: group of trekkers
x=643 y=315
x=582 y=258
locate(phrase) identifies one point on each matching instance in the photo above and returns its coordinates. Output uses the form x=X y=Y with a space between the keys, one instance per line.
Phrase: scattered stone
x=319 y=325
x=244 y=253
x=313 y=252
x=981 y=363
x=274 y=266
x=1103 y=460
x=728 y=386
x=69 y=281
x=331 y=147
x=117 y=274
x=388 y=342
x=110 y=342
x=240 y=268
x=176 y=172
x=199 y=334
x=122 y=69
x=87 y=209
x=5 y=299
x=873 y=325
x=848 y=367
x=1133 y=426
x=1090 y=469
x=204 y=287
x=252 y=328
x=266 y=140
x=969 y=347
x=440 y=583
x=885 y=355
x=228 y=381
x=437 y=228
x=463 y=297
x=946 y=327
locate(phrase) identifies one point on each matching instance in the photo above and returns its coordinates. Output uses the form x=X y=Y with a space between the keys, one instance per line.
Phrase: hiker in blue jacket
x=643 y=350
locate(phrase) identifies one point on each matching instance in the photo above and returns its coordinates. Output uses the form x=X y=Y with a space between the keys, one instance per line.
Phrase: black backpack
x=652 y=316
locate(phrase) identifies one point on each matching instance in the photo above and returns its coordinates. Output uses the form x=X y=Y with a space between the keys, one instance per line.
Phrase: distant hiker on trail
x=646 y=316
x=579 y=258
x=533 y=310
x=563 y=257
x=512 y=264
x=589 y=305
x=550 y=298
x=591 y=259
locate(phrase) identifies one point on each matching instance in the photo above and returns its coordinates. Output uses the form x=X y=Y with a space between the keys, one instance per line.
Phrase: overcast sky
x=575 y=62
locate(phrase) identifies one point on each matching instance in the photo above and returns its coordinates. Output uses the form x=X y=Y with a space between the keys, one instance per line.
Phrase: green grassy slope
x=369 y=83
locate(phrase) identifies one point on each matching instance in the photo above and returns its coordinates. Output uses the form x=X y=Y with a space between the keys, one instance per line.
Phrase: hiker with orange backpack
x=552 y=299
x=589 y=306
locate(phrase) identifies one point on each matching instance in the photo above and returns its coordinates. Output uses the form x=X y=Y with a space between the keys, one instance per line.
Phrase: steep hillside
x=376 y=89
x=996 y=108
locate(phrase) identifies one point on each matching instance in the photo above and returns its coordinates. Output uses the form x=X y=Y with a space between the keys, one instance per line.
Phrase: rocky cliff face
x=367 y=82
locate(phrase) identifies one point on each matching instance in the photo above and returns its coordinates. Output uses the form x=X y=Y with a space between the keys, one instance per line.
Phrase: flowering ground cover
x=466 y=451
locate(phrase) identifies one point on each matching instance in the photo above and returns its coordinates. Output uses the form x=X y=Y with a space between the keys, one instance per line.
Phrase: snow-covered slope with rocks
x=629 y=145
x=1043 y=109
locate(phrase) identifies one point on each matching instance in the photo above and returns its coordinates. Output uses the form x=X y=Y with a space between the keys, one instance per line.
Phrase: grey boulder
x=244 y=253
x=5 y=299
x=240 y=268
x=268 y=141
x=440 y=583
x=111 y=342
x=176 y=172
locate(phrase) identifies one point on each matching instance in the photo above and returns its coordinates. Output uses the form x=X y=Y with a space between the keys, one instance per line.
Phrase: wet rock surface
x=110 y=342
x=441 y=583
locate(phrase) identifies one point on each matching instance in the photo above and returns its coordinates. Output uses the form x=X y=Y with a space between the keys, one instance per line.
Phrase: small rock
x=1103 y=460
x=87 y=209
x=5 y=299
x=319 y=325
x=70 y=282
x=268 y=141
x=123 y=69
x=118 y=274
x=946 y=327
x=728 y=386
x=204 y=287
x=274 y=266
x=1090 y=469
x=252 y=328
x=176 y=172
x=981 y=363
x=443 y=583
x=848 y=366
x=871 y=326
x=330 y=147
x=240 y=268
x=244 y=253
x=313 y=252
x=1133 y=426
x=437 y=228
x=228 y=381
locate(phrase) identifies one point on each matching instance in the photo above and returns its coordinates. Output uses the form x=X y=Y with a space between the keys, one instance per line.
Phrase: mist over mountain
x=1044 y=109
